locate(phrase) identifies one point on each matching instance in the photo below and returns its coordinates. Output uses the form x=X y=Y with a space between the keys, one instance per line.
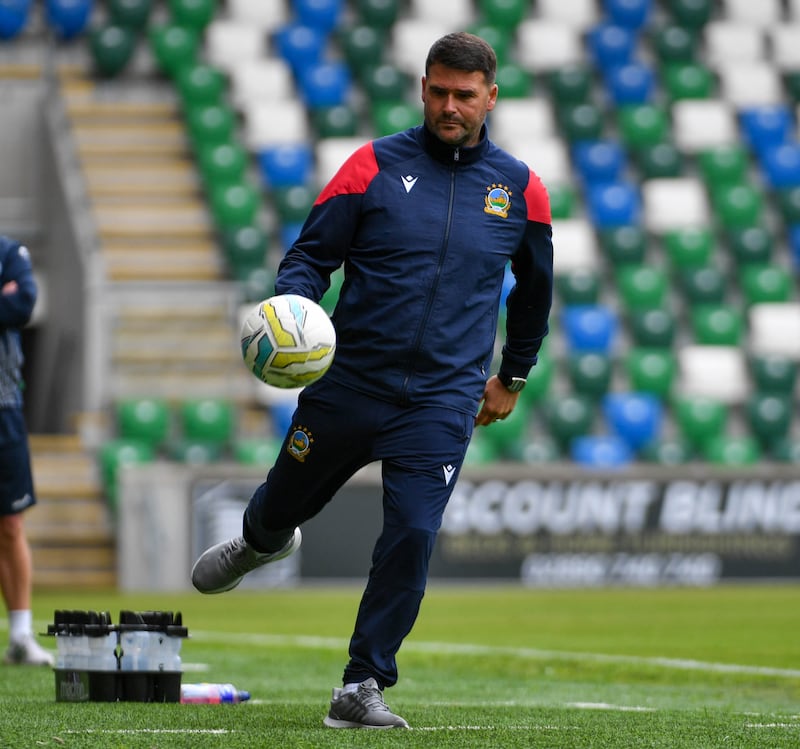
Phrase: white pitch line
x=331 y=643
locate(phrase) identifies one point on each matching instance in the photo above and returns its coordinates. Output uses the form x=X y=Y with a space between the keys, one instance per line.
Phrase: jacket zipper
x=435 y=285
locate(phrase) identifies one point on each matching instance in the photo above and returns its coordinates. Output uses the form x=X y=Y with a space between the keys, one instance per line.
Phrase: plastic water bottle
x=211 y=694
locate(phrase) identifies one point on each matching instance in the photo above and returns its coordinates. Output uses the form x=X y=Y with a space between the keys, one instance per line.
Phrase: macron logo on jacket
x=409 y=181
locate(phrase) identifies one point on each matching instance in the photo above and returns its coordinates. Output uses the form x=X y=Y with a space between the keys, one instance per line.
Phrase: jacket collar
x=447 y=154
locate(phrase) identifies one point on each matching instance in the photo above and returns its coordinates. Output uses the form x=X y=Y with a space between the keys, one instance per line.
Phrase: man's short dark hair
x=463 y=51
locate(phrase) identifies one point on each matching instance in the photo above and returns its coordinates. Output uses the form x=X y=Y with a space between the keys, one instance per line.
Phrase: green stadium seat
x=774 y=374
x=688 y=247
x=766 y=283
x=513 y=81
x=667 y=451
x=540 y=379
x=570 y=85
x=257 y=285
x=769 y=417
x=705 y=285
x=750 y=245
x=235 y=205
x=642 y=125
x=173 y=46
x=509 y=436
x=385 y=83
x=563 y=200
x=113 y=455
x=791 y=85
x=362 y=46
x=540 y=450
x=693 y=14
x=568 y=417
x=207 y=420
x=340 y=121
x=195 y=452
x=393 y=117
x=723 y=165
x=144 y=420
x=789 y=204
x=481 y=450
x=222 y=163
x=717 y=325
x=132 y=14
x=505 y=14
x=294 y=203
x=674 y=43
x=590 y=373
x=653 y=328
x=192 y=14
x=700 y=419
x=331 y=295
x=732 y=451
x=659 y=160
x=642 y=286
x=200 y=85
x=788 y=451
x=651 y=370
x=579 y=286
x=378 y=13
x=623 y=245
x=210 y=124
x=581 y=121
x=688 y=80
x=111 y=47
x=738 y=205
x=245 y=249
x=256 y=452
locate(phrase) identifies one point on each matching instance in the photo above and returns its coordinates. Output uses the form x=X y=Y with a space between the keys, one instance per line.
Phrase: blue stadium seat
x=631 y=83
x=613 y=204
x=319 y=14
x=324 y=84
x=286 y=165
x=766 y=126
x=589 y=327
x=68 y=18
x=781 y=165
x=631 y=14
x=300 y=45
x=599 y=161
x=611 y=45
x=636 y=418
x=601 y=451
x=14 y=16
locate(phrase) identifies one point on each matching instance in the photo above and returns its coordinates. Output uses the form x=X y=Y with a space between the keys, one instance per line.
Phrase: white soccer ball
x=288 y=341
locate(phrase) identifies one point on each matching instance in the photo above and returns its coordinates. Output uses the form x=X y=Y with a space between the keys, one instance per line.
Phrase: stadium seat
x=265 y=125
x=207 y=420
x=580 y=14
x=769 y=417
x=385 y=83
x=394 y=117
x=631 y=14
x=578 y=286
x=750 y=84
x=222 y=163
x=245 y=249
x=738 y=205
x=788 y=451
x=505 y=14
x=732 y=450
x=767 y=283
x=339 y=121
x=380 y=14
x=515 y=119
x=410 y=40
x=766 y=127
x=256 y=452
x=653 y=328
x=285 y=165
x=642 y=124
x=258 y=284
x=774 y=374
x=774 y=328
x=570 y=84
x=577 y=246
x=540 y=379
x=363 y=48
x=589 y=328
x=693 y=14
x=300 y=45
x=704 y=285
x=234 y=205
x=14 y=16
x=631 y=83
x=68 y=19
x=788 y=204
x=623 y=245
x=764 y=15
x=294 y=203
x=195 y=452
x=713 y=371
x=688 y=80
x=459 y=13
x=610 y=45
x=210 y=125
x=192 y=14
x=599 y=161
x=717 y=325
x=784 y=40
x=568 y=417
x=723 y=165
x=700 y=124
x=540 y=450
x=651 y=370
x=509 y=436
x=600 y=451
x=173 y=47
x=642 y=286
x=688 y=247
x=132 y=14
x=111 y=48
x=563 y=199
x=331 y=295
x=514 y=81
x=143 y=419
x=319 y=14
x=750 y=245
x=331 y=153
x=780 y=166
x=700 y=419
x=635 y=417
x=228 y=42
x=324 y=84
x=581 y=121
x=674 y=43
x=590 y=373
x=261 y=79
x=728 y=41
x=613 y=204
x=114 y=455
x=667 y=451
x=200 y=85
x=659 y=161
x=265 y=17
x=545 y=45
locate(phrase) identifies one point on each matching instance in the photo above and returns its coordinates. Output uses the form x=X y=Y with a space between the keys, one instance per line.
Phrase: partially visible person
x=17 y=298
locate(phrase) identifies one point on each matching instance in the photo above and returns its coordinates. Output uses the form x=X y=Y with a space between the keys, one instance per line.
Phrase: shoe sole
x=335 y=723
x=287 y=550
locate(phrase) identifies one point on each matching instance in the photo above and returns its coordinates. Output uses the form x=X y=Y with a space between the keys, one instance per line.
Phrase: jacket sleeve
x=16 y=307
x=327 y=234
x=528 y=304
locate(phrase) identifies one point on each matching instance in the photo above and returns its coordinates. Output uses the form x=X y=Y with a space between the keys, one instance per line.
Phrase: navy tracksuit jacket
x=424 y=232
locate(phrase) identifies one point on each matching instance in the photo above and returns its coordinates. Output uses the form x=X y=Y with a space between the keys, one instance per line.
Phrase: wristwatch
x=512 y=384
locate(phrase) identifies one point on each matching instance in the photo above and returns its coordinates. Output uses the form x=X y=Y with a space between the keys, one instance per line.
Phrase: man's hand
x=498 y=403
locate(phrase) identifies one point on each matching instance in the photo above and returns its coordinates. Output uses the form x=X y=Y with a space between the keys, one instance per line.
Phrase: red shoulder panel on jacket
x=537 y=200
x=353 y=176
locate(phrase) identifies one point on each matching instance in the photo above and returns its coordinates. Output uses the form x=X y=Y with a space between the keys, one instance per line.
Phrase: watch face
x=516 y=384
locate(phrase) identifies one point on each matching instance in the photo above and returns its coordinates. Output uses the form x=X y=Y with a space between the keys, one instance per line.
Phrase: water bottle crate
x=117 y=686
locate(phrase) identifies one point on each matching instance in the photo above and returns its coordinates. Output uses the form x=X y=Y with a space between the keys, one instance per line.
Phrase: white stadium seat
x=718 y=372
x=547 y=45
x=267 y=15
x=331 y=153
x=774 y=328
x=704 y=123
x=761 y=13
x=270 y=123
x=265 y=78
x=750 y=84
x=673 y=203
x=576 y=241
x=227 y=43
x=580 y=14
x=410 y=41
x=727 y=41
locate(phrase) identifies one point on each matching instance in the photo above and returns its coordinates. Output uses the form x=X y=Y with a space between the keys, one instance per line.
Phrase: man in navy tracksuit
x=17 y=299
x=425 y=222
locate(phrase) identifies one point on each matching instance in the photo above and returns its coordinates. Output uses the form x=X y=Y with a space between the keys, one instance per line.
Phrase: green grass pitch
x=487 y=666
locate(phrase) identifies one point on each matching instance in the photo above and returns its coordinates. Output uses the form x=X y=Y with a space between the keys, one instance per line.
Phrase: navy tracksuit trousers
x=336 y=431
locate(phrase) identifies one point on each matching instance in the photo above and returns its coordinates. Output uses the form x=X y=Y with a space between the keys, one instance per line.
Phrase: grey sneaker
x=28 y=652
x=223 y=566
x=363 y=708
